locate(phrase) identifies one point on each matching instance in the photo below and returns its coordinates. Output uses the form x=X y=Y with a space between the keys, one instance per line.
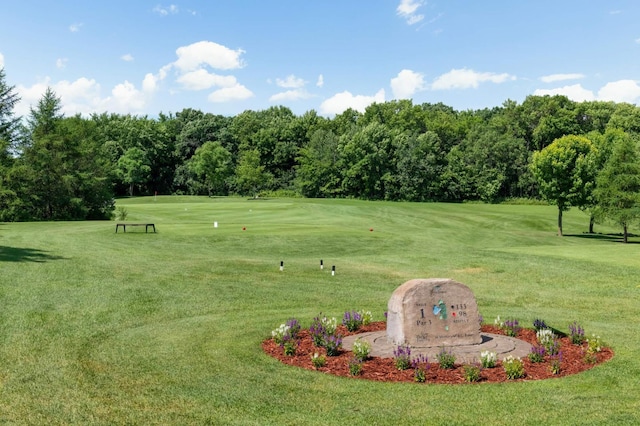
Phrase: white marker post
x=215 y=224
x=321 y=265
x=333 y=270
x=281 y=266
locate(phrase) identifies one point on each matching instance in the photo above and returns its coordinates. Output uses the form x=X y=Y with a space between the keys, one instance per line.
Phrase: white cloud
x=466 y=79
x=561 y=77
x=407 y=9
x=61 y=63
x=166 y=10
x=150 y=83
x=1 y=60
x=201 y=79
x=320 y=81
x=339 y=102
x=574 y=92
x=226 y=94
x=406 y=84
x=74 y=28
x=79 y=96
x=290 y=95
x=125 y=98
x=291 y=82
x=194 y=56
x=83 y=96
x=127 y=57
x=637 y=40
x=620 y=91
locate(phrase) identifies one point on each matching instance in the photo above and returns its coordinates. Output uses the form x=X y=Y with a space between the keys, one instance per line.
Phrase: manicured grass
x=105 y=328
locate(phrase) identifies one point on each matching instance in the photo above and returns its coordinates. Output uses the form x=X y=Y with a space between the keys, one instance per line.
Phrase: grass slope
x=105 y=328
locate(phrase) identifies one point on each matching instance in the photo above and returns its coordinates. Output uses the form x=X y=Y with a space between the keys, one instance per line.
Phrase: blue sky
x=227 y=56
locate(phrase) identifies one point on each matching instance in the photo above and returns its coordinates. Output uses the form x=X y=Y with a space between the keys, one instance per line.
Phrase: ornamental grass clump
x=361 y=349
x=488 y=359
x=402 y=357
x=513 y=367
x=352 y=320
x=576 y=334
x=446 y=358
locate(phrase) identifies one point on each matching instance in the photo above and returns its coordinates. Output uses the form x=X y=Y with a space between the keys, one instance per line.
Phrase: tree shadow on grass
x=613 y=238
x=19 y=254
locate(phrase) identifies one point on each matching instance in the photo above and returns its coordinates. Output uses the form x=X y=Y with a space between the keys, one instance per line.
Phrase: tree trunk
x=624 y=237
x=559 y=222
x=592 y=221
x=131 y=190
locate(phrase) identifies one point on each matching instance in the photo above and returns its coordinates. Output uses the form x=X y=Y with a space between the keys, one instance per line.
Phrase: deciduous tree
x=565 y=171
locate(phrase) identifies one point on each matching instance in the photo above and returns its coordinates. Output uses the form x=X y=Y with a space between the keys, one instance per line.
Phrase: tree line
x=54 y=167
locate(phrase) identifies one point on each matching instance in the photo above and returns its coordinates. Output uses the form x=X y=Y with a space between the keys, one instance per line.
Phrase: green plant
x=355 y=366
x=318 y=360
x=446 y=358
x=594 y=344
x=539 y=324
x=333 y=345
x=471 y=372
x=361 y=349
x=367 y=317
x=488 y=359
x=279 y=334
x=537 y=353
x=321 y=328
x=511 y=327
x=556 y=363
x=513 y=367
x=352 y=320
x=420 y=365
x=576 y=333
x=290 y=346
x=402 y=357
x=121 y=213
x=548 y=340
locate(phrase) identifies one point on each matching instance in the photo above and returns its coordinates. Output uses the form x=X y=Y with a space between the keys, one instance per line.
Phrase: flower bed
x=573 y=359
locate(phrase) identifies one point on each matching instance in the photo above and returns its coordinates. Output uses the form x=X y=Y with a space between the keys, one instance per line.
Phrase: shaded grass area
x=165 y=328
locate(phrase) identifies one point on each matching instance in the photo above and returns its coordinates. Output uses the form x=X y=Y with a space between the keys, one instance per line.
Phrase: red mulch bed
x=383 y=369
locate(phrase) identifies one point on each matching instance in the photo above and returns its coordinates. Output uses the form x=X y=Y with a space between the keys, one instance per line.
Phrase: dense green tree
x=565 y=171
x=62 y=173
x=212 y=162
x=366 y=162
x=419 y=166
x=9 y=123
x=618 y=185
x=133 y=168
x=250 y=175
x=318 y=173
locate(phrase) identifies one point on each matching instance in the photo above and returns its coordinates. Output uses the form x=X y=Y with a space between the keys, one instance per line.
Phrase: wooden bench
x=146 y=226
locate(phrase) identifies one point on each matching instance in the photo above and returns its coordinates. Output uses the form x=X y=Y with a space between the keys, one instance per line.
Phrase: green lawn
x=105 y=328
